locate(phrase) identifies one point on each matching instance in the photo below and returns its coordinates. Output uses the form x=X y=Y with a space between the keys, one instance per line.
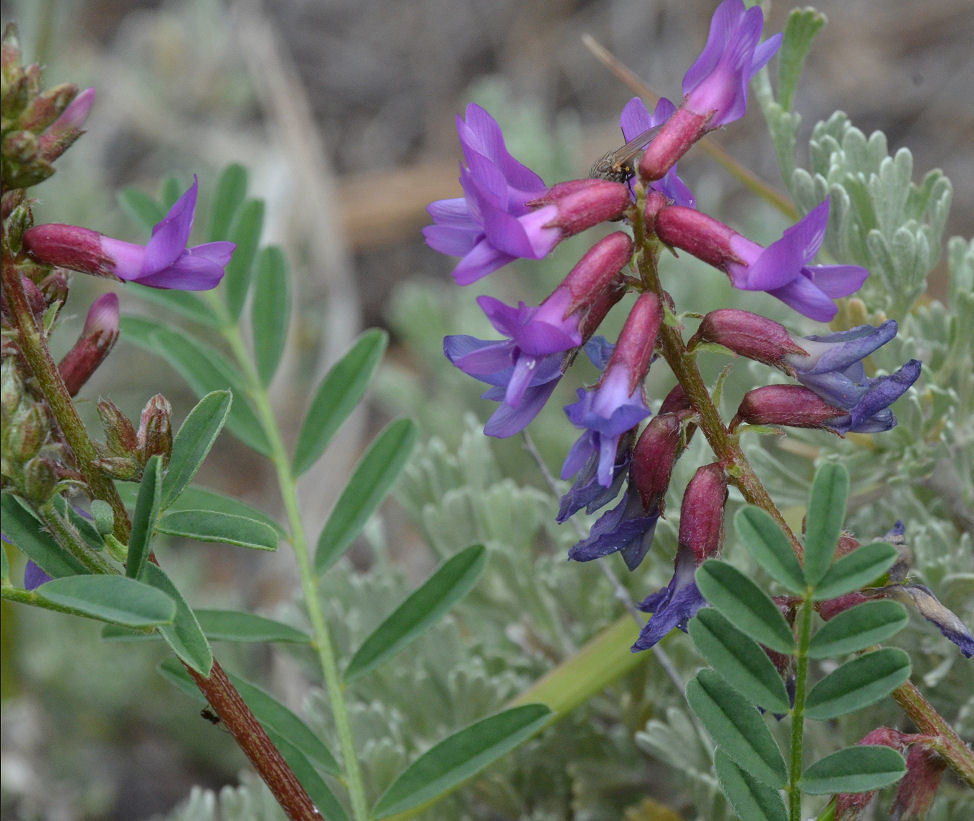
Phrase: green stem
x=309 y=580
x=68 y=539
x=798 y=711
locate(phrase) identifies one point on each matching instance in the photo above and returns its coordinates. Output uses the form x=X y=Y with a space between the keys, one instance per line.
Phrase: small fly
x=616 y=166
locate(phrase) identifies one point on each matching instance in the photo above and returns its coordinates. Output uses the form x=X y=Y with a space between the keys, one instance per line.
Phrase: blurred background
x=344 y=112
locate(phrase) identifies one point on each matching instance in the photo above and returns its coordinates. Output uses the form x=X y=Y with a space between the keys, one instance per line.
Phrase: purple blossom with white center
x=164 y=262
x=674 y=605
x=716 y=84
x=617 y=403
x=628 y=529
x=636 y=119
x=491 y=225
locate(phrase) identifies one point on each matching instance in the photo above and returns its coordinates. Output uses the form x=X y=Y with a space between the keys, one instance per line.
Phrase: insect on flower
x=616 y=166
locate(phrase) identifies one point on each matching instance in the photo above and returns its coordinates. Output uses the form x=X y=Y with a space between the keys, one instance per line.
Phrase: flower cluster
x=507 y=212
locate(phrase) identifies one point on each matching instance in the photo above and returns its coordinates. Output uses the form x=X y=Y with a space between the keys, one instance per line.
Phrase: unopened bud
x=676 y=401
x=96 y=341
x=653 y=458
x=103 y=516
x=674 y=139
x=11 y=389
x=45 y=108
x=584 y=203
x=68 y=246
x=655 y=202
x=634 y=350
x=40 y=479
x=791 y=405
x=702 y=512
x=597 y=270
x=918 y=788
x=751 y=335
x=123 y=468
x=120 y=437
x=28 y=432
x=155 y=429
x=697 y=233
x=67 y=128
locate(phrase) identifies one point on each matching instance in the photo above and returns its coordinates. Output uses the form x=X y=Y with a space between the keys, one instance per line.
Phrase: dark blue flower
x=627 y=529
x=34 y=577
x=674 y=605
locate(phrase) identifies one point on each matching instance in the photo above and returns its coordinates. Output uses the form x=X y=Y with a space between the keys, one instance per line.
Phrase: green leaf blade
x=826 y=513
x=858 y=683
x=245 y=232
x=749 y=797
x=114 y=599
x=213 y=526
x=420 y=611
x=231 y=189
x=24 y=531
x=744 y=604
x=461 y=756
x=270 y=312
x=193 y=442
x=233 y=625
x=184 y=634
x=337 y=396
x=855 y=769
x=147 y=507
x=770 y=548
x=735 y=724
x=739 y=660
x=863 y=565
x=857 y=628
x=373 y=478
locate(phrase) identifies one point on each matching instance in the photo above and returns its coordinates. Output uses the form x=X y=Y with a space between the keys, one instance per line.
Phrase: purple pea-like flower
x=922 y=598
x=617 y=403
x=782 y=269
x=716 y=84
x=636 y=120
x=507 y=212
x=674 y=605
x=164 y=262
x=627 y=529
x=34 y=577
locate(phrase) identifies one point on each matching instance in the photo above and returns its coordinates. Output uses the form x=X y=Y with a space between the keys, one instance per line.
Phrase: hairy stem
x=798 y=711
x=287 y=482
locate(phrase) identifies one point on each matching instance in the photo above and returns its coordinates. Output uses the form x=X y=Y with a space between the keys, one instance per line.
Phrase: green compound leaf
x=270 y=312
x=770 y=548
x=213 y=526
x=115 y=599
x=374 y=476
x=279 y=719
x=855 y=769
x=735 y=724
x=245 y=232
x=858 y=683
x=141 y=207
x=461 y=756
x=750 y=798
x=337 y=396
x=420 y=611
x=223 y=625
x=193 y=442
x=739 y=659
x=863 y=565
x=184 y=635
x=857 y=628
x=826 y=513
x=745 y=604
x=231 y=189
x=204 y=369
x=147 y=507
x=24 y=531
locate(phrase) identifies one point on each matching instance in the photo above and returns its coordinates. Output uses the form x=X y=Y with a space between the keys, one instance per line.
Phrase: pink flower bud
x=581 y=204
x=155 y=429
x=597 y=270
x=698 y=234
x=96 y=341
x=791 y=405
x=653 y=458
x=59 y=136
x=917 y=789
x=121 y=439
x=702 y=512
x=634 y=350
x=750 y=335
x=45 y=108
x=69 y=246
x=676 y=137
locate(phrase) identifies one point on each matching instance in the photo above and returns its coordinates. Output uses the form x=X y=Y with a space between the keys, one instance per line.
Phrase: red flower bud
x=750 y=335
x=155 y=429
x=597 y=271
x=674 y=139
x=96 y=341
x=792 y=405
x=702 y=512
x=634 y=350
x=584 y=203
x=653 y=458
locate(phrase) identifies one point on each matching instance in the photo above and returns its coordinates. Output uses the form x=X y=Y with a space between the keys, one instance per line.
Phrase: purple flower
x=628 y=529
x=674 y=605
x=507 y=212
x=922 y=598
x=586 y=492
x=34 y=577
x=635 y=120
x=781 y=269
x=716 y=84
x=164 y=262
x=616 y=404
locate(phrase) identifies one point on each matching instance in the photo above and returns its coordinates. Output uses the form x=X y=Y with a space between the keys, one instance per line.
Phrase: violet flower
x=617 y=403
x=164 y=262
x=782 y=269
x=715 y=87
x=928 y=605
x=674 y=605
x=507 y=212
x=635 y=120
x=34 y=577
